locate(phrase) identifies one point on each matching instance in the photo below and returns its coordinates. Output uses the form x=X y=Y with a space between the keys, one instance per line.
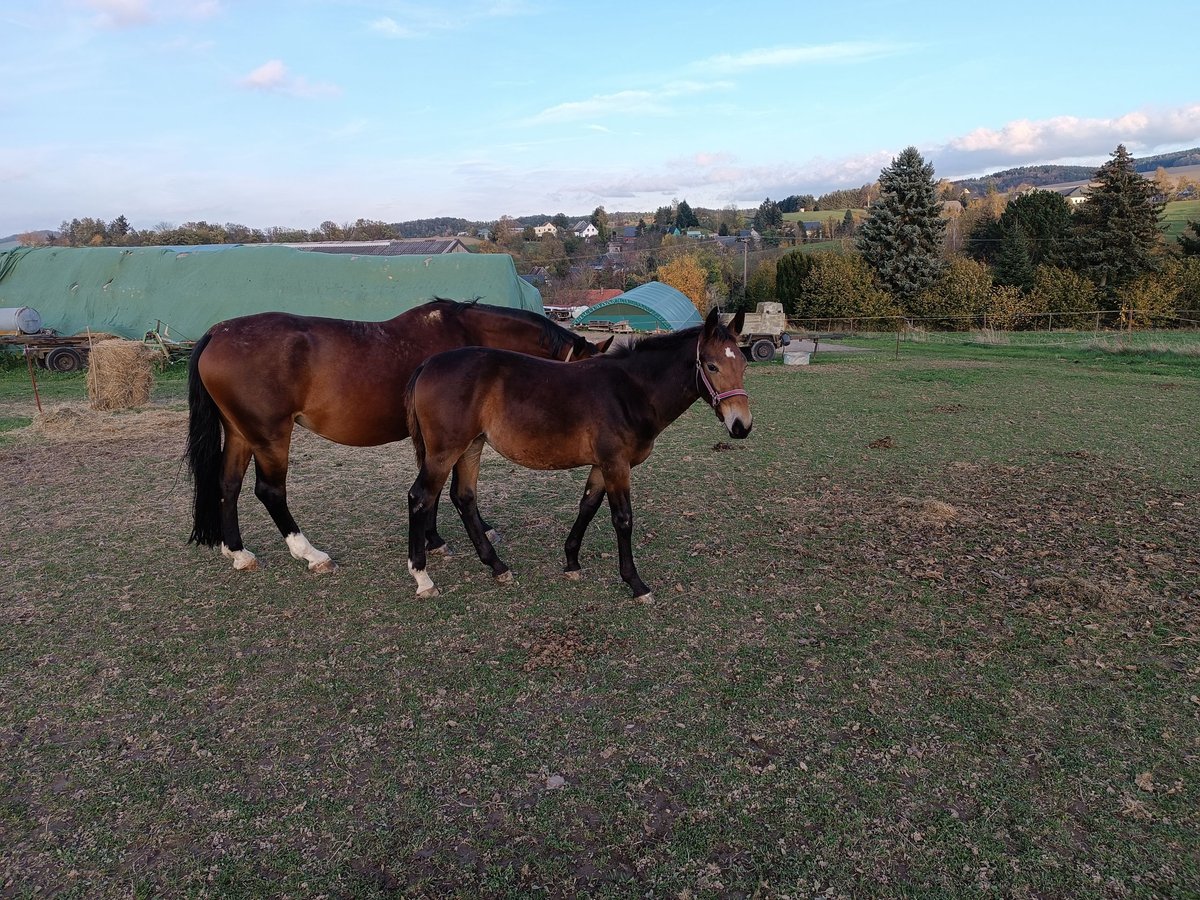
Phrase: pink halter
x=714 y=397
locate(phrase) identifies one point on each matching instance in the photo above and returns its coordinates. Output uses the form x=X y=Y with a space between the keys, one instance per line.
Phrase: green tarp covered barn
x=653 y=306
x=128 y=291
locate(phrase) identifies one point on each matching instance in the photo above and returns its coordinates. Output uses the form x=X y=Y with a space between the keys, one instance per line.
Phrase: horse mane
x=668 y=341
x=554 y=336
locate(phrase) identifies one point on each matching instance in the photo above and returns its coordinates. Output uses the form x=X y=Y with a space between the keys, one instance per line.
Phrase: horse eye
x=711 y=367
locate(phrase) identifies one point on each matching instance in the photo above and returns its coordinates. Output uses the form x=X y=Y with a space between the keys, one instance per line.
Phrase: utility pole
x=745 y=242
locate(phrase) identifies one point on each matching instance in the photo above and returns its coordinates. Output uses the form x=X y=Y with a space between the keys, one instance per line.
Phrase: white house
x=585 y=229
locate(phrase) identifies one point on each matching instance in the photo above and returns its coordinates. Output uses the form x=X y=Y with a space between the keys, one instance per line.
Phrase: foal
x=604 y=412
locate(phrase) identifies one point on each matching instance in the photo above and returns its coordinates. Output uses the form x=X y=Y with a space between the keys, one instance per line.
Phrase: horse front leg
x=616 y=480
x=270 y=486
x=463 y=495
x=593 y=496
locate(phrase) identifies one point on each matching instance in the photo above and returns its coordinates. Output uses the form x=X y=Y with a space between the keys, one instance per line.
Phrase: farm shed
x=127 y=291
x=653 y=306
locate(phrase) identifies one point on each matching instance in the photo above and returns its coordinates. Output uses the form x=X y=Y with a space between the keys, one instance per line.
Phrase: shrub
x=1067 y=295
x=1010 y=310
x=960 y=293
x=841 y=286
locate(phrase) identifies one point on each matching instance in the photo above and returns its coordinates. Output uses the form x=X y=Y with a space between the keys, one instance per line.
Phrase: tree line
x=1032 y=260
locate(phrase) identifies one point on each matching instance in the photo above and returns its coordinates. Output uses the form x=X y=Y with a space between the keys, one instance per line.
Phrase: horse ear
x=602 y=346
x=735 y=327
x=713 y=320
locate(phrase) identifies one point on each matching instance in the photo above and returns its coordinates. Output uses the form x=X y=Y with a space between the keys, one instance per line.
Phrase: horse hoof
x=505 y=577
x=428 y=593
x=324 y=567
x=443 y=550
x=645 y=598
x=572 y=574
x=247 y=566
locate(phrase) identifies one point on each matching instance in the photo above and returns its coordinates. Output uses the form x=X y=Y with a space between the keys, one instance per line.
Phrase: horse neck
x=514 y=334
x=667 y=373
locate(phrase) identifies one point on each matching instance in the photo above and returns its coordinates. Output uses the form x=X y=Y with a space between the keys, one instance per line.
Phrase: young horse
x=604 y=412
x=253 y=377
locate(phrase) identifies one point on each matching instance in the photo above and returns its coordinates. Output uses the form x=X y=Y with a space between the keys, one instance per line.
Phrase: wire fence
x=1086 y=323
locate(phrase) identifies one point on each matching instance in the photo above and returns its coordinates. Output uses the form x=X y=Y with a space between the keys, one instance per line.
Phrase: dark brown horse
x=252 y=378
x=604 y=412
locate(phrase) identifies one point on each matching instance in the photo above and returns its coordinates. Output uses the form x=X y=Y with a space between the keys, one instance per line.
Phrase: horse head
x=721 y=369
x=582 y=348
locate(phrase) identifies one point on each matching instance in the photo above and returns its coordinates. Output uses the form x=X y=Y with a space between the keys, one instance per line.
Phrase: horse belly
x=536 y=451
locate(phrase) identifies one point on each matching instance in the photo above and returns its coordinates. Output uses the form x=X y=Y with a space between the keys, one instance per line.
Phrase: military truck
x=763 y=331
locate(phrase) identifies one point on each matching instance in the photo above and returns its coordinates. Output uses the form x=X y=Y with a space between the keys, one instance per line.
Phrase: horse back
x=342 y=379
x=539 y=413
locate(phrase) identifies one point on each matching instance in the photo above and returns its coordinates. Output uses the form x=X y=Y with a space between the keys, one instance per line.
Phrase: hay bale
x=120 y=374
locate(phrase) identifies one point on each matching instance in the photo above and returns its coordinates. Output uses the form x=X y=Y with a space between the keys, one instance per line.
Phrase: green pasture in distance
x=1177 y=214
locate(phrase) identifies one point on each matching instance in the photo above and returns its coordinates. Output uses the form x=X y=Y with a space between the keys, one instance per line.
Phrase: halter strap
x=713 y=397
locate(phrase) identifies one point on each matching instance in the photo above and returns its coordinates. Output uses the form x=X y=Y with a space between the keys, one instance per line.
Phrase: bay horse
x=604 y=412
x=253 y=378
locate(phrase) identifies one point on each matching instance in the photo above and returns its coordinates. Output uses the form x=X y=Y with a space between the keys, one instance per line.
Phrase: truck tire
x=64 y=359
x=762 y=350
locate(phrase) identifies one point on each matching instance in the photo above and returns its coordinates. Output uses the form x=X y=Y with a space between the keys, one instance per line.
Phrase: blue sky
x=293 y=113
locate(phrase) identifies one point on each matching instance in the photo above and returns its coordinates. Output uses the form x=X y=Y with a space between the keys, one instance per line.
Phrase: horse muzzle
x=738 y=422
x=739 y=429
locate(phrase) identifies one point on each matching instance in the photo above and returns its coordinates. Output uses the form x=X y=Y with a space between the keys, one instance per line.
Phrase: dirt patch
x=1056 y=594
x=76 y=423
x=927 y=512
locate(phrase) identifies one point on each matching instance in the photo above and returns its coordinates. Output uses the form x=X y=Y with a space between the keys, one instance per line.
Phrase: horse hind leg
x=270 y=486
x=235 y=457
x=463 y=496
x=593 y=496
x=422 y=506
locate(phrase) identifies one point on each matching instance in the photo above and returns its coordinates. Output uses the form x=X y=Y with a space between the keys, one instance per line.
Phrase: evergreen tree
x=790 y=273
x=1118 y=228
x=1188 y=244
x=769 y=217
x=1014 y=261
x=1045 y=219
x=901 y=240
x=847 y=226
x=684 y=217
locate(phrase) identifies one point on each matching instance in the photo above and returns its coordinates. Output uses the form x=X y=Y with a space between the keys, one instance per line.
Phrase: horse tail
x=203 y=454
x=414 y=425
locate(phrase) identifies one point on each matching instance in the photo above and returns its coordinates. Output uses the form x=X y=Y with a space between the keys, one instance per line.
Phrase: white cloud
x=414 y=20
x=624 y=103
x=1028 y=142
x=134 y=13
x=776 y=57
x=274 y=77
x=389 y=27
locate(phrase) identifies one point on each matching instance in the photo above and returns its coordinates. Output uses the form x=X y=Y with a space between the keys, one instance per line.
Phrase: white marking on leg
x=242 y=559
x=425 y=586
x=300 y=548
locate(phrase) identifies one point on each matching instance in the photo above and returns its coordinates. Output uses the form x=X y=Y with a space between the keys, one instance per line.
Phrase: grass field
x=931 y=630
x=1177 y=214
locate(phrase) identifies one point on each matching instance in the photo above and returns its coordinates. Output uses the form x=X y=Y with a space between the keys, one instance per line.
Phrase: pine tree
x=1014 y=261
x=1188 y=244
x=901 y=240
x=1118 y=225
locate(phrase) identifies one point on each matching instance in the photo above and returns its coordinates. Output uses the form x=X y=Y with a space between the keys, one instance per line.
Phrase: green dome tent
x=653 y=306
